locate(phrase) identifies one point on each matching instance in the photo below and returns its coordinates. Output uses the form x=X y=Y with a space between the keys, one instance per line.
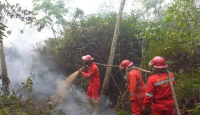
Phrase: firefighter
x=158 y=89
x=92 y=72
x=136 y=86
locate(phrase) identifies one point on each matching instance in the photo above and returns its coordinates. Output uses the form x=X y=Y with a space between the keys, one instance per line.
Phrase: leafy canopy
x=52 y=12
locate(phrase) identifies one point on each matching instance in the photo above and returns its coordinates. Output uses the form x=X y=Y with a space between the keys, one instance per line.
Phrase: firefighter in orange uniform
x=136 y=86
x=159 y=90
x=92 y=72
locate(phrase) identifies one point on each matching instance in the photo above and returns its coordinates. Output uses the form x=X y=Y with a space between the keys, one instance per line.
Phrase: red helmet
x=158 y=62
x=126 y=63
x=87 y=58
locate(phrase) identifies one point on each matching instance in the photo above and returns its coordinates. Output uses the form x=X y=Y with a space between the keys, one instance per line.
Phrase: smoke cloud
x=20 y=57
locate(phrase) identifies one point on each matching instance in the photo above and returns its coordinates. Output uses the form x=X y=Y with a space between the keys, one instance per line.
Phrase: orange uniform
x=137 y=90
x=94 y=82
x=159 y=91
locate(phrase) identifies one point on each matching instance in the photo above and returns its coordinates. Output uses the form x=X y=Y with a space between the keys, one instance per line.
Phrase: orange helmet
x=87 y=58
x=126 y=63
x=158 y=62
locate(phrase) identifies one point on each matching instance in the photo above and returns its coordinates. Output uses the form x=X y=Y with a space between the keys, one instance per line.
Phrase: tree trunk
x=143 y=58
x=53 y=31
x=5 y=79
x=112 y=52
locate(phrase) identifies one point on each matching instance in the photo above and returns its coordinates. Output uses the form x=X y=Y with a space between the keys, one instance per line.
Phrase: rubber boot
x=96 y=108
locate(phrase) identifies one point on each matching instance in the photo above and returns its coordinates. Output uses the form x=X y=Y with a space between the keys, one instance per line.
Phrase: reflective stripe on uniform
x=138 y=87
x=149 y=95
x=139 y=81
x=88 y=75
x=95 y=101
x=132 y=94
x=162 y=82
x=88 y=97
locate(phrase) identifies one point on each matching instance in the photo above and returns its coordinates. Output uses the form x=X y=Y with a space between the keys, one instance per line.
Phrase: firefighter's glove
x=143 y=110
x=87 y=66
x=80 y=70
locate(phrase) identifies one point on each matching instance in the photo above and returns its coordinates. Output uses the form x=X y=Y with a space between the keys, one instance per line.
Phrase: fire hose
x=119 y=66
x=170 y=81
x=169 y=76
x=174 y=94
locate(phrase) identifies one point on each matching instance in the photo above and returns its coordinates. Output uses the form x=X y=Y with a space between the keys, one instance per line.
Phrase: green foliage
x=98 y=32
x=188 y=90
x=2 y=29
x=173 y=33
x=92 y=34
x=24 y=101
x=195 y=111
x=11 y=11
x=2 y=26
x=176 y=37
x=78 y=14
x=53 y=13
x=28 y=86
x=122 y=112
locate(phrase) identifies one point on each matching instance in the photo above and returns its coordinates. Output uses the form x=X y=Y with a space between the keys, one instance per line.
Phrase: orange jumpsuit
x=159 y=91
x=137 y=90
x=94 y=82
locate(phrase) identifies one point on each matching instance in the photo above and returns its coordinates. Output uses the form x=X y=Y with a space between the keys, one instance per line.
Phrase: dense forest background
x=170 y=30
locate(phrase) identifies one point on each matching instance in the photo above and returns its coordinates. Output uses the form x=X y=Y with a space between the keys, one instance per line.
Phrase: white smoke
x=19 y=54
x=76 y=104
